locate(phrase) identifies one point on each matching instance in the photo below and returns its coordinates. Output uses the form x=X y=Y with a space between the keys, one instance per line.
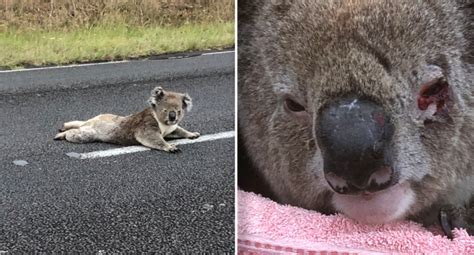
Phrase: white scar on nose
x=351 y=105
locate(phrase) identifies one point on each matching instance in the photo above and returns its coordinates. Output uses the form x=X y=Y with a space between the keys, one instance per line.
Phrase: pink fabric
x=264 y=226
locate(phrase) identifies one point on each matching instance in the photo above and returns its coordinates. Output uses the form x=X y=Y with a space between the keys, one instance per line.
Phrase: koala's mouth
x=170 y=123
x=376 y=208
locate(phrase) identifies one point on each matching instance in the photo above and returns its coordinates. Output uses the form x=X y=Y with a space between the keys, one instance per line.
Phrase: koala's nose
x=172 y=115
x=354 y=135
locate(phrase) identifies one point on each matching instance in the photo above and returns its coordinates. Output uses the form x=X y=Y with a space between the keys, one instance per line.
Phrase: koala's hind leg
x=77 y=135
x=181 y=132
x=153 y=139
x=72 y=124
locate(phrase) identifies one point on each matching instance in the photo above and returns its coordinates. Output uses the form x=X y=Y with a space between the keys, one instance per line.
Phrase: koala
x=362 y=107
x=148 y=127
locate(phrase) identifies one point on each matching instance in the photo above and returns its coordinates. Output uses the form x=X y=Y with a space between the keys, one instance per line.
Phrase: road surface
x=124 y=202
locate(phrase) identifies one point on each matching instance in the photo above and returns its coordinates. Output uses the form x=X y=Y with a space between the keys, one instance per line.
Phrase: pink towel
x=265 y=227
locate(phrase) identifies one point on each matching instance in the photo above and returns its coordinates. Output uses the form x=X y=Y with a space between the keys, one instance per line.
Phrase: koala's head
x=169 y=106
x=371 y=102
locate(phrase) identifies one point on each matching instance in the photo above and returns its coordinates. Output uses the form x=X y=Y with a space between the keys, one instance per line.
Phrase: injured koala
x=148 y=127
x=360 y=107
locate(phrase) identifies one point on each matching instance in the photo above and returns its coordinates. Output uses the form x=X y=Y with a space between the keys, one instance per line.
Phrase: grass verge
x=20 y=48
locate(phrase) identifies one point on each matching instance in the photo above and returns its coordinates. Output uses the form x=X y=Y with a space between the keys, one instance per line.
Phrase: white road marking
x=65 y=66
x=133 y=149
x=96 y=64
x=218 y=52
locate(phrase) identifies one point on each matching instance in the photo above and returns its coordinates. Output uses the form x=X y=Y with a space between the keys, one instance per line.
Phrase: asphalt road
x=143 y=201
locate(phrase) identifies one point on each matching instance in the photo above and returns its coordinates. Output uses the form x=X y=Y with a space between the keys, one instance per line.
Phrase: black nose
x=354 y=136
x=172 y=115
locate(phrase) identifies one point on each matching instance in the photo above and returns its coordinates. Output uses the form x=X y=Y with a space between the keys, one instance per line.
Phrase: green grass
x=19 y=48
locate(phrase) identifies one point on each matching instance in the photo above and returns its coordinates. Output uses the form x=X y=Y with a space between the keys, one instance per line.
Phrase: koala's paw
x=60 y=136
x=194 y=135
x=452 y=217
x=173 y=149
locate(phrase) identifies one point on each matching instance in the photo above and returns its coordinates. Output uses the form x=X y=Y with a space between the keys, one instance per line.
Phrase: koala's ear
x=187 y=102
x=156 y=95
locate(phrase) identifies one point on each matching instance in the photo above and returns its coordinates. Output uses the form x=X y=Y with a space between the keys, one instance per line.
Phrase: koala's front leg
x=452 y=217
x=153 y=139
x=181 y=132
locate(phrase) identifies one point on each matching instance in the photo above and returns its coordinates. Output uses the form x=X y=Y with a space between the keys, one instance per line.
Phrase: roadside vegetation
x=50 y=32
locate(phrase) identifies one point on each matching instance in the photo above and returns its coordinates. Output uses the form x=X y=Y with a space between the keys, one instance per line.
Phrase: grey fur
x=319 y=50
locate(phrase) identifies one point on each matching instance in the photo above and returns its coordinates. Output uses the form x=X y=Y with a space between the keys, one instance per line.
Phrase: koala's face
x=370 y=101
x=169 y=106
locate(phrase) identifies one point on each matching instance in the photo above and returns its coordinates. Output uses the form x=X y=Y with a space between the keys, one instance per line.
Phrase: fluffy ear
x=156 y=95
x=187 y=102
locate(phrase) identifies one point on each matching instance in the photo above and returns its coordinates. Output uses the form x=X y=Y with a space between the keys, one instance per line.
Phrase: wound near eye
x=434 y=92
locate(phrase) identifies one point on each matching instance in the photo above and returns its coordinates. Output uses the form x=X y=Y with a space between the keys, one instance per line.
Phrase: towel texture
x=266 y=227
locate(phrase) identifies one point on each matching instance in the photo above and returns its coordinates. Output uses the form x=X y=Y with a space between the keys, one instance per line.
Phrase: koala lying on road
x=148 y=128
x=361 y=107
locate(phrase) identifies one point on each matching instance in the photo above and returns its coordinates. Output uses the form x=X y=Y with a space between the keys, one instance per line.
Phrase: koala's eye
x=164 y=110
x=179 y=112
x=296 y=109
x=293 y=106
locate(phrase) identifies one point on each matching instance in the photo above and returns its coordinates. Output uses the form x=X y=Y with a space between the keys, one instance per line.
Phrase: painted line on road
x=65 y=66
x=101 y=63
x=134 y=149
x=217 y=53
